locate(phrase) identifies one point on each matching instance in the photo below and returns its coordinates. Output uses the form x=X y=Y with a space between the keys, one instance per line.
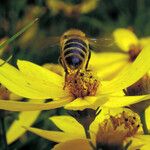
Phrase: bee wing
x=49 y=42
x=97 y=43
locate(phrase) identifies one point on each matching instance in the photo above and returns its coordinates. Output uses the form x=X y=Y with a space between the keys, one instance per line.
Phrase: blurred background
x=97 y=18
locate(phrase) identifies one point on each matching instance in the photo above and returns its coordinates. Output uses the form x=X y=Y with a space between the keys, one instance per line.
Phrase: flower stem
x=3 y=133
x=143 y=120
x=88 y=137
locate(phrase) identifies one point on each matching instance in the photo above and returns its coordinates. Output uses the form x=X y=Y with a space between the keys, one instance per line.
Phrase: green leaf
x=18 y=34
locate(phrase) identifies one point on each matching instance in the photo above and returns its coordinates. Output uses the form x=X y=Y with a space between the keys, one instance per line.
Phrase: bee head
x=73 y=33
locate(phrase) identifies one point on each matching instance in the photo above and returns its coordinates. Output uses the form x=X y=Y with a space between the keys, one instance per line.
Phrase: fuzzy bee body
x=75 y=52
x=75 y=49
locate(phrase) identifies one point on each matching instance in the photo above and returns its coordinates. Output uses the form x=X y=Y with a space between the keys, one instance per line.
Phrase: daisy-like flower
x=27 y=118
x=111 y=129
x=129 y=46
x=35 y=82
x=127 y=41
x=6 y=95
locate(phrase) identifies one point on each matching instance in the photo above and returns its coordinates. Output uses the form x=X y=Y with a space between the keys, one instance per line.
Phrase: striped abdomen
x=75 y=53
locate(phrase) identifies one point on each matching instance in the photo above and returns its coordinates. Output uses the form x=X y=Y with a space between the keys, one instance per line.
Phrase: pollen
x=113 y=132
x=81 y=84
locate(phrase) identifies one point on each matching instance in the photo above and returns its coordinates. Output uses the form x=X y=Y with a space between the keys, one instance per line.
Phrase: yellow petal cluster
x=73 y=133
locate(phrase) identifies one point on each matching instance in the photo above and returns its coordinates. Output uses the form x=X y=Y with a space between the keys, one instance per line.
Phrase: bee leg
x=88 y=60
x=60 y=60
x=65 y=81
x=63 y=65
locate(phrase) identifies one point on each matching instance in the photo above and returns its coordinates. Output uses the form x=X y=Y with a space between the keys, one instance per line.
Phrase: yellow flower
x=35 y=82
x=111 y=63
x=26 y=118
x=112 y=128
x=70 y=9
x=131 y=47
x=7 y=95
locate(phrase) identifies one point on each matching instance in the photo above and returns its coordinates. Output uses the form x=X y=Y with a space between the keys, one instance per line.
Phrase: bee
x=75 y=53
x=75 y=49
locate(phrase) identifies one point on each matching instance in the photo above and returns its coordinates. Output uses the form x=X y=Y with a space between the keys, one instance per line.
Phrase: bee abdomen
x=78 y=41
x=73 y=61
x=74 y=57
x=75 y=45
x=75 y=52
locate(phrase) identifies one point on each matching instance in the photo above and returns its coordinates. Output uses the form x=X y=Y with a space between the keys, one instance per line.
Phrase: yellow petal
x=69 y=125
x=87 y=102
x=147 y=114
x=120 y=101
x=124 y=38
x=104 y=59
x=130 y=74
x=111 y=71
x=144 y=41
x=56 y=136
x=15 y=131
x=88 y=6
x=25 y=106
x=58 y=69
x=26 y=86
x=78 y=144
x=39 y=73
x=108 y=68
x=141 y=142
x=14 y=97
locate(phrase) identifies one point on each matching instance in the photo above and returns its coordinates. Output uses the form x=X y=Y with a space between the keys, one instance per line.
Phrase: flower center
x=81 y=83
x=134 y=51
x=114 y=131
x=141 y=87
x=4 y=93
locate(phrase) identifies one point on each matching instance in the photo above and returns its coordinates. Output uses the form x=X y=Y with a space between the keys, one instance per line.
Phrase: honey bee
x=75 y=53
x=75 y=49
